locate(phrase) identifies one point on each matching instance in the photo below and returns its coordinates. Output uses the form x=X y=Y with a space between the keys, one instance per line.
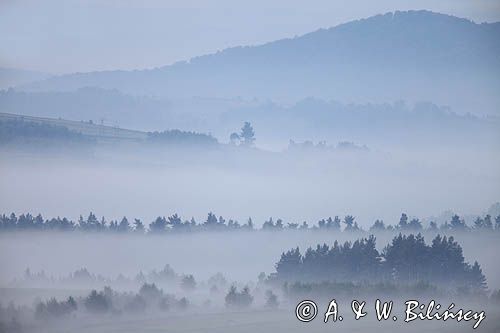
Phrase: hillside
x=35 y=130
x=85 y=128
x=416 y=54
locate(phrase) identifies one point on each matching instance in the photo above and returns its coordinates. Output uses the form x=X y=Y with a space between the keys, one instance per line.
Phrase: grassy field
x=261 y=321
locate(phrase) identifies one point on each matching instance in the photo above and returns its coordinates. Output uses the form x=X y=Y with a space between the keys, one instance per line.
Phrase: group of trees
x=53 y=308
x=175 y=223
x=82 y=277
x=407 y=259
x=20 y=130
x=108 y=300
x=149 y=297
x=15 y=131
x=238 y=299
x=181 y=137
x=245 y=138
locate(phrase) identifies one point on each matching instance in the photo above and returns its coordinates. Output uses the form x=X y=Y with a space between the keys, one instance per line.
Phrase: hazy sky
x=60 y=36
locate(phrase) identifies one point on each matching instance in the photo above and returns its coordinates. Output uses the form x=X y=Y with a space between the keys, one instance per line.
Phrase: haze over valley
x=347 y=161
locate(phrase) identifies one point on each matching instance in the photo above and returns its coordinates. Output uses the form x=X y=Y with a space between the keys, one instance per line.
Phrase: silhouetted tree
x=249 y=224
x=403 y=222
x=188 y=282
x=211 y=222
x=247 y=135
x=333 y=224
x=478 y=223
x=124 y=225
x=97 y=302
x=350 y=224
x=378 y=225
x=433 y=226
x=158 y=226
x=52 y=308
x=404 y=257
x=457 y=224
x=138 y=226
x=487 y=223
x=414 y=225
x=150 y=292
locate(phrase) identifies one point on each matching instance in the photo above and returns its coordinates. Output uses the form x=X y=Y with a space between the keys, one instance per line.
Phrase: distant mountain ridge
x=414 y=56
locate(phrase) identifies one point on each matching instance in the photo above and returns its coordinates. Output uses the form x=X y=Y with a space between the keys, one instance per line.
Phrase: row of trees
x=108 y=300
x=407 y=259
x=181 y=137
x=149 y=297
x=174 y=223
x=19 y=130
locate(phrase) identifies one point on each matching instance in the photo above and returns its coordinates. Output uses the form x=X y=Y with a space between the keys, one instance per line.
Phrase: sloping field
x=85 y=128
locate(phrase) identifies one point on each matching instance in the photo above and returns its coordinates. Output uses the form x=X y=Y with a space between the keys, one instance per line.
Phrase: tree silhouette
x=158 y=226
x=188 y=282
x=97 y=302
x=350 y=224
x=138 y=226
x=457 y=224
x=403 y=222
x=378 y=225
x=124 y=225
x=247 y=135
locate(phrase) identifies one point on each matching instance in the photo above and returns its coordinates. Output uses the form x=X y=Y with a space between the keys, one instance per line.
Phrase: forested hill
x=19 y=128
x=416 y=54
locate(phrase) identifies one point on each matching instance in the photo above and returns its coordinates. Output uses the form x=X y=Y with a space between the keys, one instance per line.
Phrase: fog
x=201 y=167
x=297 y=184
x=292 y=185
x=202 y=255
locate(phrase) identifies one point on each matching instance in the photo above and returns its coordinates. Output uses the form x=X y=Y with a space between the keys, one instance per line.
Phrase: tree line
x=407 y=259
x=20 y=130
x=174 y=223
x=176 y=136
